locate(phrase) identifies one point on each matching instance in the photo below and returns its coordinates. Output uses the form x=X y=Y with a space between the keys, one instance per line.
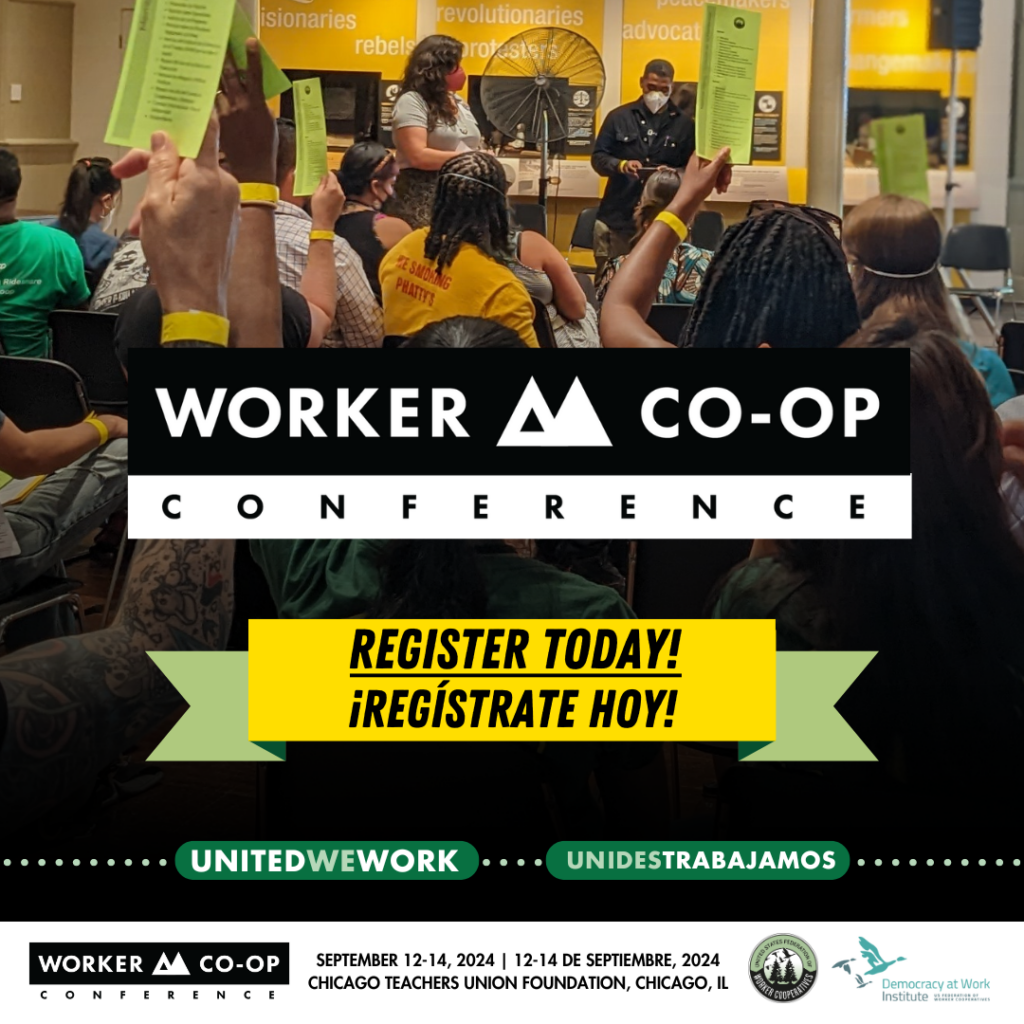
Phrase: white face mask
x=105 y=222
x=655 y=101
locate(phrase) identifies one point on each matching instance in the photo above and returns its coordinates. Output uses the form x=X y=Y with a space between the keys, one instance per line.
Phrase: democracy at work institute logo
x=783 y=968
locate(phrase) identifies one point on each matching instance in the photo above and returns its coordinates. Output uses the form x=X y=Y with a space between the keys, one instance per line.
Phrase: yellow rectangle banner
x=319 y=680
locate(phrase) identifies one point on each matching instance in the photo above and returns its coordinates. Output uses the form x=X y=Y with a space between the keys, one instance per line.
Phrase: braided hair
x=90 y=178
x=775 y=279
x=469 y=206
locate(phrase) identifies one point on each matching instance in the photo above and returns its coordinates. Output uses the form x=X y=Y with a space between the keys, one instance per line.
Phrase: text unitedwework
x=356 y=860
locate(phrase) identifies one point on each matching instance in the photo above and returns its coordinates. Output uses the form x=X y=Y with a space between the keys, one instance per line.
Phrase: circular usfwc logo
x=783 y=968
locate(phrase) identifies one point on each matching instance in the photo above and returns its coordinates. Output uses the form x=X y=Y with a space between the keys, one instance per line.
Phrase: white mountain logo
x=576 y=425
x=166 y=967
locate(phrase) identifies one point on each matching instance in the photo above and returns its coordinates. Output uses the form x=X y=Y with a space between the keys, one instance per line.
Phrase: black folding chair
x=707 y=231
x=85 y=341
x=531 y=217
x=42 y=593
x=542 y=325
x=41 y=393
x=586 y=282
x=1012 y=348
x=979 y=248
x=1017 y=376
x=669 y=319
x=583 y=238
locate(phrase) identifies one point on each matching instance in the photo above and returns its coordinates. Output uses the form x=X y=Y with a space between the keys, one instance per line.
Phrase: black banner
x=514 y=427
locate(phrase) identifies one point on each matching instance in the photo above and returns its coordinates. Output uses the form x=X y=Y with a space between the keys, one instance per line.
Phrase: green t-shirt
x=336 y=579
x=40 y=269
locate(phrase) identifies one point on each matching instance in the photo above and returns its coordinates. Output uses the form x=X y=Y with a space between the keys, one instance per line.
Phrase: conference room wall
x=35 y=95
x=100 y=28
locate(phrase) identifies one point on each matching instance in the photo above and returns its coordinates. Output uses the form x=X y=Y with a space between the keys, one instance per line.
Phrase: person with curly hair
x=457 y=266
x=431 y=124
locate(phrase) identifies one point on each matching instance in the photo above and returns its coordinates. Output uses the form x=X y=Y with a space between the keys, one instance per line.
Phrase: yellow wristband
x=194 y=326
x=674 y=223
x=101 y=428
x=257 y=193
x=321 y=236
x=622 y=164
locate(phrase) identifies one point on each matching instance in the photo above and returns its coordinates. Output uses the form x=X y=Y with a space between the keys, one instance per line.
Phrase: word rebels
x=451 y=648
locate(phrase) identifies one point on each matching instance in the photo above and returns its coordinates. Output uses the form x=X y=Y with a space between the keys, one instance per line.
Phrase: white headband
x=906 y=277
x=466 y=177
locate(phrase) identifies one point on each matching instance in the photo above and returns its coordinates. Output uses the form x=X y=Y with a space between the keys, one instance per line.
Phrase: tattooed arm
x=74 y=704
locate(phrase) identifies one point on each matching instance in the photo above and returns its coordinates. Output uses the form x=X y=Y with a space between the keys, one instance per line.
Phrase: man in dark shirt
x=650 y=132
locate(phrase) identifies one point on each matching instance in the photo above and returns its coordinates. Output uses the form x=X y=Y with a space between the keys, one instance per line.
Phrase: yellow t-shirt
x=473 y=284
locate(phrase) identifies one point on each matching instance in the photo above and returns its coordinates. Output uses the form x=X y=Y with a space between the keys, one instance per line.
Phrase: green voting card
x=725 y=91
x=310 y=135
x=901 y=154
x=275 y=81
x=171 y=72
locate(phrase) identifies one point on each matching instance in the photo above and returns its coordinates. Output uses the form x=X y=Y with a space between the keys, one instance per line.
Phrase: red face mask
x=456 y=80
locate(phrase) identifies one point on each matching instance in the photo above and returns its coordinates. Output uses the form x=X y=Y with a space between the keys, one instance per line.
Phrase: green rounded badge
x=783 y=968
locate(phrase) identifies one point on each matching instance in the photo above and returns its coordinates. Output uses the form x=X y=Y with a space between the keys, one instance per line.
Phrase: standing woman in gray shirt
x=431 y=123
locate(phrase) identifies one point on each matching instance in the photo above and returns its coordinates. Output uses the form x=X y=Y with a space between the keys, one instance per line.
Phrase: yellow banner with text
x=670 y=30
x=484 y=25
x=359 y=679
x=325 y=35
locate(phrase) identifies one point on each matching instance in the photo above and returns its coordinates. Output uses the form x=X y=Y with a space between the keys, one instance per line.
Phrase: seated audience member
x=548 y=279
x=465 y=332
x=367 y=176
x=686 y=266
x=139 y=323
x=356 y=318
x=86 y=475
x=893 y=244
x=456 y=267
x=634 y=289
x=43 y=271
x=304 y=326
x=126 y=273
x=942 y=610
x=90 y=199
x=778 y=279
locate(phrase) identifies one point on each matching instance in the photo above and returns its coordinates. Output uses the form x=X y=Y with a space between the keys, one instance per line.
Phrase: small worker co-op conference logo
x=148 y=963
x=783 y=968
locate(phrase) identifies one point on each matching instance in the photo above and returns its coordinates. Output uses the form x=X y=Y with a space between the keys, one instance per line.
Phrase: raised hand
x=248 y=133
x=187 y=222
